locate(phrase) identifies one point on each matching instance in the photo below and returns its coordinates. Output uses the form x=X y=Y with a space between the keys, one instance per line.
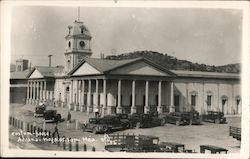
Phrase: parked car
x=105 y=124
x=52 y=116
x=183 y=118
x=213 y=116
x=39 y=110
x=144 y=120
x=157 y=120
x=193 y=117
x=176 y=118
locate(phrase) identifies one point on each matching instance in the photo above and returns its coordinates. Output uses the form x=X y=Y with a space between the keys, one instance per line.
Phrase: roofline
x=76 y=67
x=30 y=73
x=147 y=61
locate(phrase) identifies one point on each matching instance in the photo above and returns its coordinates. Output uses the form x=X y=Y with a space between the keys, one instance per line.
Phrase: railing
x=44 y=135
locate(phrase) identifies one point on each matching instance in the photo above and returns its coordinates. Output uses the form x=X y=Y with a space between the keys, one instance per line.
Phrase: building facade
x=128 y=86
x=18 y=82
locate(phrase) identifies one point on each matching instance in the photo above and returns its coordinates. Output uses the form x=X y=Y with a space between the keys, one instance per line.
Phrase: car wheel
x=138 y=125
x=177 y=123
x=217 y=121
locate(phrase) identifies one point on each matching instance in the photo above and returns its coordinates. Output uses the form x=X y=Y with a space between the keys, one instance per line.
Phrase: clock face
x=82 y=44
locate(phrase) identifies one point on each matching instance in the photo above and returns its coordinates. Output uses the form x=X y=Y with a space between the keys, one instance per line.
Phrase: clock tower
x=78 y=44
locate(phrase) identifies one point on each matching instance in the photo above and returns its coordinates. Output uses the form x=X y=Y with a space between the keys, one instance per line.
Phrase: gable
x=140 y=68
x=36 y=74
x=86 y=69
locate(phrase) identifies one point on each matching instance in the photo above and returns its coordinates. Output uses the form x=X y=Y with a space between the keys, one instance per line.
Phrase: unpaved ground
x=191 y=136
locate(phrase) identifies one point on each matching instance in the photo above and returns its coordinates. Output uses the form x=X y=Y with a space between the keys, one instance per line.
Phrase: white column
x=146 y=107
x=72 y=92
x=31 y=90
x=83 y=92
x=172 y=108
x=41 y=90
x=119 y=107
x=133 y=108
x=159 y=107
x=44 y=91
x=82 y=105
x=37 y=90
x=97 y=93
x=34 y=90
x=28 y=91
x=104 y=98
x=77 y=92
x=89 y=98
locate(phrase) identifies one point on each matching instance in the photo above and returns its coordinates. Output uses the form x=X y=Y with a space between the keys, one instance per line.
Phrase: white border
x=6 y=8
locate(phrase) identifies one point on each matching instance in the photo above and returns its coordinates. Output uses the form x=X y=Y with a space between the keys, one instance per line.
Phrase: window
x=209 y=102
x=224 y=101
x=193 y=100
x=69 y=44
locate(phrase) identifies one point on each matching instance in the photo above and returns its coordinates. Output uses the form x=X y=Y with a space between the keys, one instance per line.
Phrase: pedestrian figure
x=101 y=110
x=96 y=112
x=69 y=117
x=56 y=131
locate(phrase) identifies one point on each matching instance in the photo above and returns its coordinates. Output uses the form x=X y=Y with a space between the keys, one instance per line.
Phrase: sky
x=209 y=36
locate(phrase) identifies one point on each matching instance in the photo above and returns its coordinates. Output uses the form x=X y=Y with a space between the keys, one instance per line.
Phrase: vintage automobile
x=183 y=118
x=144 y=120
x=39 y=110
x=51 y=116
x=173 y=147
x=176 y=118
x=212 y=149
x=213 y=116
x=105 y=124
x=193 y=117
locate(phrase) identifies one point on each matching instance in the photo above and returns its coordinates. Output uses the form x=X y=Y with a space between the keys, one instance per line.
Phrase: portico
x=121 y=95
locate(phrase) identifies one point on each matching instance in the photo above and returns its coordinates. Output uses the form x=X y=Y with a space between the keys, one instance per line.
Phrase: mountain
x=173 y=63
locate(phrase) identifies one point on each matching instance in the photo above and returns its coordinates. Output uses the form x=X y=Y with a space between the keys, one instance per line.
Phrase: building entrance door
x=224 y=104
x=177 y=103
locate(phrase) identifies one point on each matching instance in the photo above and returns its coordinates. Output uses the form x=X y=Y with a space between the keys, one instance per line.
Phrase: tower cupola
x=78 y=44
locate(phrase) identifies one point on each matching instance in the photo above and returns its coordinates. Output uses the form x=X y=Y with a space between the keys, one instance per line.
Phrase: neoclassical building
x=128 y=86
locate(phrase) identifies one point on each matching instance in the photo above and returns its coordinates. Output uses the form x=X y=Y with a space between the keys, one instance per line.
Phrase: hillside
x=171 y=62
